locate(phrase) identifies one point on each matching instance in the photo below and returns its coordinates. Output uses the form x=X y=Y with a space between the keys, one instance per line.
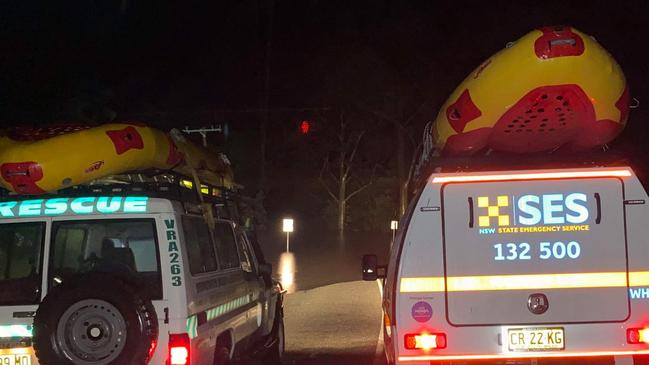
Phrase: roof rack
x=166 y=185
x=224 y=202
x=503 y=161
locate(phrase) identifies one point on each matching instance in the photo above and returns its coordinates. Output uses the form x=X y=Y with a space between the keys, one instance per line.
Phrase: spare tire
x=97 y=319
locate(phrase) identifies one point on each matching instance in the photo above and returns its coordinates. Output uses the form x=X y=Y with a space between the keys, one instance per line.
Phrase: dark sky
x=171 y=62
x=210 y=54
x=175 y=63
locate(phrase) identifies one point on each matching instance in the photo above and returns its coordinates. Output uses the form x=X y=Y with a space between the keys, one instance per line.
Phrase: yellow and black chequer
x=493 y=211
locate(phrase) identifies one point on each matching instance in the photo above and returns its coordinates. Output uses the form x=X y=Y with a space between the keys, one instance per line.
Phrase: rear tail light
x=152 y=348
x=637 y=335
x=425 y=341
x=179 y=349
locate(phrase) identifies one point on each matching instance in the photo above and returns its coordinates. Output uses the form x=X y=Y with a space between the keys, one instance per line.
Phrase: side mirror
x=371 y=269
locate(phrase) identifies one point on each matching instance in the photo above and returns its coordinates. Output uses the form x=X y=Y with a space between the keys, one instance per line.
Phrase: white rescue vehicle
x=520 y=266
x=133 y=274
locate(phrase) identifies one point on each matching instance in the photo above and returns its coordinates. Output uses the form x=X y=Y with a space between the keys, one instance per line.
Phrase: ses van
x=520 y=267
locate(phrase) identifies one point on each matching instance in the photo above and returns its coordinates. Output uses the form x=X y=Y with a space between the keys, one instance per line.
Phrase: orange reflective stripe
x=524 y=282
x=419 y=285
x=639 y=278
x=532 y=176
x=547 y=281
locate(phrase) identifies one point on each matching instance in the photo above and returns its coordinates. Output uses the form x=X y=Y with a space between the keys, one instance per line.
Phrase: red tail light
x=179 y=349
x=152 y=348
x=425 y=341
x=637 y=335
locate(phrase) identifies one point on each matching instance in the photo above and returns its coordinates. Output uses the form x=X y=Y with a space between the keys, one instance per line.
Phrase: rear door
x=262 y=292
x=230 y=252
x=535 y=252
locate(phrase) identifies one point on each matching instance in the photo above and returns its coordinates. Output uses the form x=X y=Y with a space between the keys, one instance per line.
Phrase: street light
x=287 y=227
x=394 y=225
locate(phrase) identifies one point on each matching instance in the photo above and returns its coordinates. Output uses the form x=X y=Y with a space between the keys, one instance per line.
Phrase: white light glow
x=179 y=355
x=287 y=269
x=17 y=330
x=287 y=225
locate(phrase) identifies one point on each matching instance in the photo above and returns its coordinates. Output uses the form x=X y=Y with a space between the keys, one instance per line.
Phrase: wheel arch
x=225 y=339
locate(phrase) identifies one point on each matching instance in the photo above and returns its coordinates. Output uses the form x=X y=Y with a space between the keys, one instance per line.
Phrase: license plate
x=535 y=339
x=17 y=359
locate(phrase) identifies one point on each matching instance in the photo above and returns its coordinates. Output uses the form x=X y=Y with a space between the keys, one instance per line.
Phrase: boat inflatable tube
x=556 y=87
x=37 y=164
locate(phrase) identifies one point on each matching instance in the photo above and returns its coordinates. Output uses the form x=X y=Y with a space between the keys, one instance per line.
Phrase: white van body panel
x=452 y=279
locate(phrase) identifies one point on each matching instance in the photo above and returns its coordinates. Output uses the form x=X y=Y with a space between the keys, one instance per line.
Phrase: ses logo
x=531 y=210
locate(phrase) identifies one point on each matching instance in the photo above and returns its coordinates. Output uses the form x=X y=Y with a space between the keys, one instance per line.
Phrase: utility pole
x=263 y=123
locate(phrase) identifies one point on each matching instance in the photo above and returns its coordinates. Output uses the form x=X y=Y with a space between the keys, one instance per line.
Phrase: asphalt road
x=340 y=324
x=335 y=324
x=331 y=318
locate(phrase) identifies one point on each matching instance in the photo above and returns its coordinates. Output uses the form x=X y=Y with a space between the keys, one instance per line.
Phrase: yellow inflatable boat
x=556 y=87
x=37 y=161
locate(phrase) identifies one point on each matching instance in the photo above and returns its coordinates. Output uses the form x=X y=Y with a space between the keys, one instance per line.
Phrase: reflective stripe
x=192 y=326
x=216 y=312
x=532 y=176
x=421 y=285
x=639 y=278
x=524 y=282
x=16 y=330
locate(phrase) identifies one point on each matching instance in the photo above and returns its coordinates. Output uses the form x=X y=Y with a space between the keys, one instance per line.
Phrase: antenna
x=203 y=131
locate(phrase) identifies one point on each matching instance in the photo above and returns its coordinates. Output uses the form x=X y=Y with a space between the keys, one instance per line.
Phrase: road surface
x=331 y=317
x=335 y=324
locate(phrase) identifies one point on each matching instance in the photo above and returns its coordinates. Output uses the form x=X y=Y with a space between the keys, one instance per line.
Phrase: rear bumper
x=588 y=340
x=419 y=359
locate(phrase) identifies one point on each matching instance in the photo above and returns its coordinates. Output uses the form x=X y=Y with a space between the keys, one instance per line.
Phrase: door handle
x=24 y=314
x=598 y=199
x=470 y=212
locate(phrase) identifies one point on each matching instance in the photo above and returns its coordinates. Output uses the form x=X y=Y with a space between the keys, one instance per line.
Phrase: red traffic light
x=305 y=127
